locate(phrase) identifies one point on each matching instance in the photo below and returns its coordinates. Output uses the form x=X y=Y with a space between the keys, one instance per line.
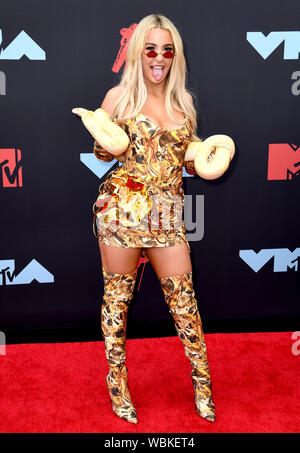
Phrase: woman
x=141 y=202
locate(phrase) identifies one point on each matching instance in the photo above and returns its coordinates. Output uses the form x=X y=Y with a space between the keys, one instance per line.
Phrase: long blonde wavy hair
x=134 y=93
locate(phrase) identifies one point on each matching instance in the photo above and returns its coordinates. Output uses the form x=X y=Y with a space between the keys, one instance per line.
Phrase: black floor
x=149 y=330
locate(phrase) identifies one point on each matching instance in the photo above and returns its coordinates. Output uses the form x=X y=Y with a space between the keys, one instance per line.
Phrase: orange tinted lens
x=151 y=54
x=168 y=54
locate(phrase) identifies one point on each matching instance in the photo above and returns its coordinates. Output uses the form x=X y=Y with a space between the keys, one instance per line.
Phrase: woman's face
x=156 y=69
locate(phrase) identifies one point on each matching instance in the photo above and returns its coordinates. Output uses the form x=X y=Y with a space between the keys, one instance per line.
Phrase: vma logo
x=20 y=46
x=10 y=168
x=284 y=161
x=265 y=45
x=33 y=271
x=283 y=259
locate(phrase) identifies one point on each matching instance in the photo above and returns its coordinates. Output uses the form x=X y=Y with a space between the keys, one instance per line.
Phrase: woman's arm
x=104 y=155
x=189 y=165
x=108 y=105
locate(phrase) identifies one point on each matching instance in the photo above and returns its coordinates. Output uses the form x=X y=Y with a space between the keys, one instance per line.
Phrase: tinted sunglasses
x=153 y=54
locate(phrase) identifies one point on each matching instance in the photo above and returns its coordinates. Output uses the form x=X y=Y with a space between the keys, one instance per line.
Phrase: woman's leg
x=119 y=259
x=167 y=261
x=174 y=270
x=119 y=277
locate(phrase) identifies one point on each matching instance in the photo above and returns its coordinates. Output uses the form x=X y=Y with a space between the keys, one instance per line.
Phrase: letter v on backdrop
x=22 y=45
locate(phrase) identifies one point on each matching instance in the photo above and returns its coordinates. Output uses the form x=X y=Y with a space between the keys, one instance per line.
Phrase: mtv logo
x=23 y=44
x=10 y=168
x=265 y=45
x=126 y=34
x=284 y=161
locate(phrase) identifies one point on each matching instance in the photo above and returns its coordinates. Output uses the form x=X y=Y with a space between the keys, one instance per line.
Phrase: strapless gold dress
x=140 y=204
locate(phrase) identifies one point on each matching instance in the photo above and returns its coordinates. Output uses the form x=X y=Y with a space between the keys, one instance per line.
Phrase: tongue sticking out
x=157 y=73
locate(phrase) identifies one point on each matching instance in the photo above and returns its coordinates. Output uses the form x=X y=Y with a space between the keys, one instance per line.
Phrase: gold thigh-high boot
x=180 y=297
x=118 y=292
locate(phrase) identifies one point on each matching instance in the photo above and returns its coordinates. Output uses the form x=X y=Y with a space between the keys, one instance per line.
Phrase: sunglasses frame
x=154 y=54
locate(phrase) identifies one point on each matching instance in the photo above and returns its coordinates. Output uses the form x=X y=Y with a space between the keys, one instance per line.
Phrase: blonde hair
x=134 y=93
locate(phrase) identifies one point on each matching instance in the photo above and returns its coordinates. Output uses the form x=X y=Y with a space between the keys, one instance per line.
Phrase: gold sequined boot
x=180 y=297
x=118 y=292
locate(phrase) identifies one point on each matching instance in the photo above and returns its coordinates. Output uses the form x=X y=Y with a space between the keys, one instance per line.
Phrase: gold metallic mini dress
x=140 y=203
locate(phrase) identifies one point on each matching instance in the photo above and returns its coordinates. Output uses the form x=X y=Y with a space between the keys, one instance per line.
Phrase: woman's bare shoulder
x=111 y=98
x=189 y=96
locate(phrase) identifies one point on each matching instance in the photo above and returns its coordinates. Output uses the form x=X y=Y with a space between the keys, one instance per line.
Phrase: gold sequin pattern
x=140 y=204
x=118 y=292
x=180 y=297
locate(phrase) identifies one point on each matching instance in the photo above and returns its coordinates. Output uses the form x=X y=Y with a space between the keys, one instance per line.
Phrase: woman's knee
x=170 y=261
x=119 y=260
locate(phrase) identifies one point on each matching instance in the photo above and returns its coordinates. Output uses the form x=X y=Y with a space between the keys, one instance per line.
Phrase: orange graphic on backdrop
x=10 y=168
x=121 y=57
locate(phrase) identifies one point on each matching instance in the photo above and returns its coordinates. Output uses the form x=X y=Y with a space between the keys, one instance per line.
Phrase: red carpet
x=60 y=387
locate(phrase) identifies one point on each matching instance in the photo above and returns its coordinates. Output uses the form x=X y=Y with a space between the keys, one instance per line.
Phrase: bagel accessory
x=108 y=134
x=212 y=156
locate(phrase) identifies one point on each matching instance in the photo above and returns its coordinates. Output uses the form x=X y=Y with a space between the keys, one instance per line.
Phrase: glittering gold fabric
x=180 y=297
x=140 y=204
x=118 y=292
